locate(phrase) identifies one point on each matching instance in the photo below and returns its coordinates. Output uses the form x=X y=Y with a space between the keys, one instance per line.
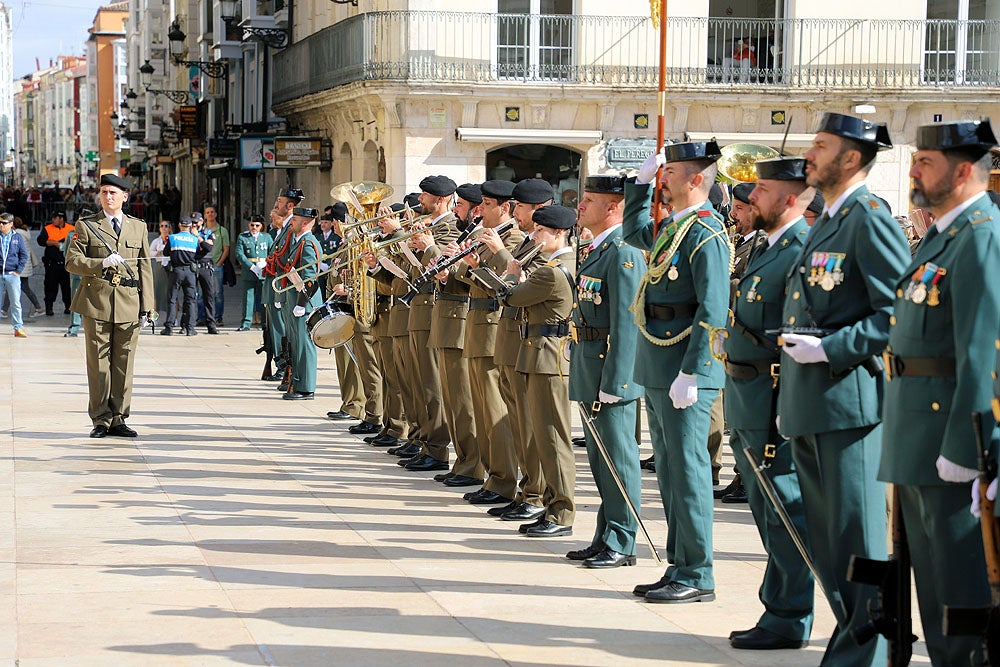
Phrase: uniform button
x=935 y=406
x=601 y=356
x=759 y=297
x=795 y=296
x=997 y=343
x=994 y=374
x=667 y=333
x=899 y=293
x=791 y=320
x=738 y=294
x=892 y=320
x=624 y=386
x=576 y=305
x=802 y=269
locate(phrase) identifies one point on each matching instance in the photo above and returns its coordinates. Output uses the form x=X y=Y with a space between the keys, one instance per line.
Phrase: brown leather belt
x=927 y=367
x=585 y=333
x=491 y=304
x=751 y=370
x=452 y=297
x=659 y=311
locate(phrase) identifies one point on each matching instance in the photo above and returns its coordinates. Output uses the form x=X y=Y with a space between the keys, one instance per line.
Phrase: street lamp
x=146 y=78
x=215 y=69
x=276 y=38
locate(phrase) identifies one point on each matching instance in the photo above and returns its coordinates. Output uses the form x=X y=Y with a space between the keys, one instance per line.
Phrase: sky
x=45 y=29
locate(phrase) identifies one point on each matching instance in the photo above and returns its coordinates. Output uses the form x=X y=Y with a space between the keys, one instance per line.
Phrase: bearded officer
x=302 y=255
x=841 y=289
x=281 y=214
x=115 y=299
x=777 y=203
x=602 y=361
x=683 y=294
x=945 y=318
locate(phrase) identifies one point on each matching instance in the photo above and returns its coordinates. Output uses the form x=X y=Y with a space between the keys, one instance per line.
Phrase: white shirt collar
x=110 y=217
x=446 y=213
x=561 y=251
x=302 y=235
x=773 y=237
x=945 y=220
x=830 y=209
x=684 y=211
x=599 y=239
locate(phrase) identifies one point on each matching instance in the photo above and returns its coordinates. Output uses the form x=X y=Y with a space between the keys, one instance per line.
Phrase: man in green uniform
x=280 y=215
x=302 y=255
x=684 y=293
x=602 y=361
x=546 y=297
x=836 y=321
x=115 y=299
x=252 y=248
x=945 y=318
x=752 y=368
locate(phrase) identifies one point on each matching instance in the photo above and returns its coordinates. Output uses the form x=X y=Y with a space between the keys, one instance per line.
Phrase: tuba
x=737 y=162
x=362 y=199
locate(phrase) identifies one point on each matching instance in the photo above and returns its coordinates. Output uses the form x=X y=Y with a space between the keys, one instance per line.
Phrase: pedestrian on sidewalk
x=13 y=258
x=22 y=230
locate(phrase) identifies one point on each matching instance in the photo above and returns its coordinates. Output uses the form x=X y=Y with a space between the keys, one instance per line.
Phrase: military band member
x=841 y=290
x=546 y=300
x=448 y=329
x=528 y=196
x=945 y=318
x=493 y=423
x=752 y=357
x=302 y=255
x=602 y=362
x=281 y=214
x=252 y=247
x=115 y=299
x=685 y=290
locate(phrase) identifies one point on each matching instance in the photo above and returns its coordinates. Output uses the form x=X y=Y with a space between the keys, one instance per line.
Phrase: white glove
x=647 y=172
x=952 y=472
x=684 y=391
x=323 y=266
x=777 y=424
x=991 y=494
x=277 y=305
x=605 y=397
x=256 y=268
x=143 y=321
x=804 y=349
x=114 y=259
x=299 y=311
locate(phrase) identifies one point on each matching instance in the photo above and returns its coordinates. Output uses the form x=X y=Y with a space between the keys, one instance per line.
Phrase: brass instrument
x=737 y=162
x=362 y=199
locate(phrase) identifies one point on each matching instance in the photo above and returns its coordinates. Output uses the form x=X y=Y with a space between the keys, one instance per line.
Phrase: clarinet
x=447 y=262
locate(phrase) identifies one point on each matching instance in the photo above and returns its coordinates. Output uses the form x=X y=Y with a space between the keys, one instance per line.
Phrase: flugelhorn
x=737 y=162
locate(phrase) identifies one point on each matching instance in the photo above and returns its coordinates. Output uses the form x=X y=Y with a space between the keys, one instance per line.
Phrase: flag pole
x=661 y=100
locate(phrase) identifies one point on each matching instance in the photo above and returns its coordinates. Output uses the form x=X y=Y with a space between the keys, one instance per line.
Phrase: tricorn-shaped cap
x=305 y=212
x=292 y=193
x=967 y=134
x=782 y=169
x=858 y=129
x=692 y=150
x=605 y=184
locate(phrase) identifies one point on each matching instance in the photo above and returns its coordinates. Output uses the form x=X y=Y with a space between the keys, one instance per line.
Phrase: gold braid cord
x=654 y=13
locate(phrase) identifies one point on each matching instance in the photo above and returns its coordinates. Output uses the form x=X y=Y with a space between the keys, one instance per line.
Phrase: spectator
x=56 y=277
x=13 y=257
x=161 y=267
x=220 y=255
x=22 y=231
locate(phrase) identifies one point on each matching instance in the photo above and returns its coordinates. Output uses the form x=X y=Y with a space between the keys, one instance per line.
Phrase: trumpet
x=361 y=245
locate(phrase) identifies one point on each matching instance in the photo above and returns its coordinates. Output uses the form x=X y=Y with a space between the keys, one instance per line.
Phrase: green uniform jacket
x=248 y=252
x=606 y=283
x=328 y=244
x=925 y=417
x=757 y=306
x=547 y=298
x=703 y=281
x=872 y=252
x=310 y=298
x=96 y=297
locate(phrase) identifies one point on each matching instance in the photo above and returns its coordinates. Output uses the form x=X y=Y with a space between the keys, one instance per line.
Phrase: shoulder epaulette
x=873 y=203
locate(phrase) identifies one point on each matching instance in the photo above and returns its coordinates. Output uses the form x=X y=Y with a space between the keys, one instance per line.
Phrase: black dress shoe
x=405 y=451
x=442 y=476
x=609 y=558
x=283 y=387
x=764 y=640
x=488 y=498
x=641 y=589
x=502 y=509
x=364 y=428
x=549 y=529
x=122 y=431
x=462 y=480
x=382 y=441
x=648 y=464
x=166 y=331
x=736 y=633
x=523 y=528
x=402 y=463
x=719 y=494
x=299 y=396
x=99 y=431
x=523 y=512
x=476 y=493
x=738 y=495
x=242 y=328
x=579 y=442
x=274 y=378
x=339 y=415
x=675 y=593
x=584 y=554
x=214 y=331
x=427 y=463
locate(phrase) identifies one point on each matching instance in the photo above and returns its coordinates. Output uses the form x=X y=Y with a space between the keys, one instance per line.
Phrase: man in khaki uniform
x=546 y=297
x=115 y=299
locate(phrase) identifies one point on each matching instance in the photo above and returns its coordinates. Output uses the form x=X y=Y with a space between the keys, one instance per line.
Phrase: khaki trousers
x=458 y=411
x=514 y=391
x=493 y=425
x=110 y=355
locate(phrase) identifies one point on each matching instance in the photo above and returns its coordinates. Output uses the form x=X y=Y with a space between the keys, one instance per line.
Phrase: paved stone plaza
x=240 y=529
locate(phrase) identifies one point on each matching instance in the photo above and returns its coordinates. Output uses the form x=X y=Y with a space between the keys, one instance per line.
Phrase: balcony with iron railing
x=622 y=52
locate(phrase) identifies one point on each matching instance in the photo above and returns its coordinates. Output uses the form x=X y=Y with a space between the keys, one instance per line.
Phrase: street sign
x=296 y=152
x=628 y=153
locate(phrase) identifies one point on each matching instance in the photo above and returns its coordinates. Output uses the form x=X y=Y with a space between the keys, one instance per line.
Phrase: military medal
x=827 y=282
x=597 y=298
x=752 y=292
x=913 y=282
x=919 y=293
x=817 y=261
x=838 y=272
x=934 y=297
x=672 y=272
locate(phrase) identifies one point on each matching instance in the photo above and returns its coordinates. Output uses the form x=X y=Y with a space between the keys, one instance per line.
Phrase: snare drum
x=331 y=325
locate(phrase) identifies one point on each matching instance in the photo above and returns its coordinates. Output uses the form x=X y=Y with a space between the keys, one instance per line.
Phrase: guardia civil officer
x=281 y=214
x=546 y=300
x=841 y=288
x=302 y=255
x=753 y=358
x=252 y=247
x=945 y=318
x=683 y=293
x=114 y=301
x=602 y=361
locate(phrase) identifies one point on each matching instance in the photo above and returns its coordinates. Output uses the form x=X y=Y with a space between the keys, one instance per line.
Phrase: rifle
x=267 y=347
x=890 y=616
x=873 y=364
x=982 y=621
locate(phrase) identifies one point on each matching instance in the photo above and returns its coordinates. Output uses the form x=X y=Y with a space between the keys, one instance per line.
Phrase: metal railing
x=621 y=52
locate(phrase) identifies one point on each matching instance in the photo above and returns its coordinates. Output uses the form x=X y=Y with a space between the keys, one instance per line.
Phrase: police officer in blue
x=683 y=294
x=183 y=249
x=777 y=204
x=836 y=320
x=602 y=361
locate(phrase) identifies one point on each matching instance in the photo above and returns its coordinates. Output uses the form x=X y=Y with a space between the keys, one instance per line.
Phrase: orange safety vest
x=58 y=233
